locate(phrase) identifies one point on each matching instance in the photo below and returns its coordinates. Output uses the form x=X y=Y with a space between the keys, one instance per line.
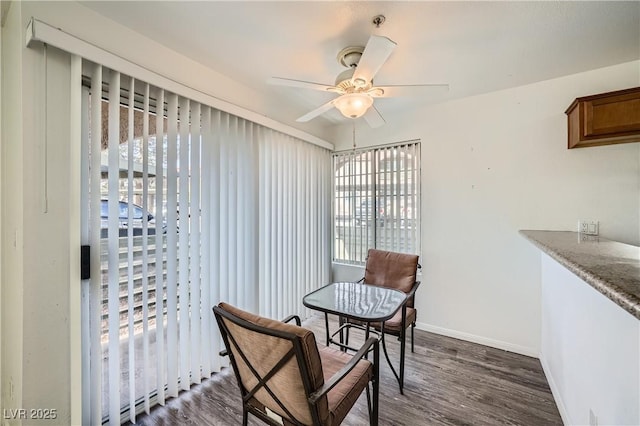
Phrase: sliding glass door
x=185 y=206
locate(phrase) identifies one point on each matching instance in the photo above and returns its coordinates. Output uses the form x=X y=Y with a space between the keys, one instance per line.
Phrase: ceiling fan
x=355 y=85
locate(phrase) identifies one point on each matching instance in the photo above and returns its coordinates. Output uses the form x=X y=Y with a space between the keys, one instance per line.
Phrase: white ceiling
x=476 y=47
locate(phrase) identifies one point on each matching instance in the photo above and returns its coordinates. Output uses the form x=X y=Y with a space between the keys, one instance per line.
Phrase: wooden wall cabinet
x=604 y=119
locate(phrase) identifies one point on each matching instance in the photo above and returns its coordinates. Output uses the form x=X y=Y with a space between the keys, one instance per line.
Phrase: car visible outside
x=123 y=220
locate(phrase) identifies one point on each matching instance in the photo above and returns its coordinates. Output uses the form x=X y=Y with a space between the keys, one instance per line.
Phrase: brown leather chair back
x=261 y=346
x=391 y=270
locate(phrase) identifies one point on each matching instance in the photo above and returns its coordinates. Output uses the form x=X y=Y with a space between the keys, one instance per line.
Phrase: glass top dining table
x=361 y=302
x=358 y=301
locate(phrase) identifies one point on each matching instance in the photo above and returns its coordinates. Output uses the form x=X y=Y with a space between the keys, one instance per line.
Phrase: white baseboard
x=498 y=344
x=555 y=391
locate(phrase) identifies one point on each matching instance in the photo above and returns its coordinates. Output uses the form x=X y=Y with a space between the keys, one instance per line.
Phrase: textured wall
x=496 y=163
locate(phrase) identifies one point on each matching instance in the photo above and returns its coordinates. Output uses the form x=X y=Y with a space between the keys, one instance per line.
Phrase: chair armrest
x=340 y=374
x=293 y=317
x=413 y=289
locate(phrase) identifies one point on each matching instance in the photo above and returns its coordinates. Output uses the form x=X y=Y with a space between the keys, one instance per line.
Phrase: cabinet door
x=611 y=116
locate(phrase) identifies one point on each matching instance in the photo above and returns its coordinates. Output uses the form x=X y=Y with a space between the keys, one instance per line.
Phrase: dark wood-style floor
x=448 y=382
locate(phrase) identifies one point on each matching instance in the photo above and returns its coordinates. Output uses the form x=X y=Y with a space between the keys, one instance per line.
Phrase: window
x=377 y=201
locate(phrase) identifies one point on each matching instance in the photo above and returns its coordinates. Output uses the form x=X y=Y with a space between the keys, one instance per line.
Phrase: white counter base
x=590 y=351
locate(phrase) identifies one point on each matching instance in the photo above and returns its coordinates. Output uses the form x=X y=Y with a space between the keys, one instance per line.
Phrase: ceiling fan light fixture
x=353 y=105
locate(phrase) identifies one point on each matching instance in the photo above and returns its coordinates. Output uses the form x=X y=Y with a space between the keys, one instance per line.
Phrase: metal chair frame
x=312 y=395
x=401 y=334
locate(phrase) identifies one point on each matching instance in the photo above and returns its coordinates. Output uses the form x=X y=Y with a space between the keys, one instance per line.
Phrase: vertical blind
x=294 y=222
x=186 y=206
x=376 y=201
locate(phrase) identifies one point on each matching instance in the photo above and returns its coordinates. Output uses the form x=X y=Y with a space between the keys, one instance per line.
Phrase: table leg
x=347 y=329
x=366 y=337
x=376 y=383
x=399 y=377
x=402 y=347
x=384 y=350
x=341 y=323
x=326 y=326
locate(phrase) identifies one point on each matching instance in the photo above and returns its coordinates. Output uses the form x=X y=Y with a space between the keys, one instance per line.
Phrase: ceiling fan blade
x=316 y=112
x=278 y=81
x=373 y=118
x=407 y=90
x=375 y=54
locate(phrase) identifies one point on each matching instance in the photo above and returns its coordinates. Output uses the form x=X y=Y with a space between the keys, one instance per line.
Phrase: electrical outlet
x=589 y=227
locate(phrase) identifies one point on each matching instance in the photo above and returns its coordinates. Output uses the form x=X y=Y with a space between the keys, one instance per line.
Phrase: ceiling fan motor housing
x=343 y=80
x=350 y=56
x=345 y=83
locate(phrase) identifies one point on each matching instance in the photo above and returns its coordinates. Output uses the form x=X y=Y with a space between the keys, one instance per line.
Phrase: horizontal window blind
x=187 y=206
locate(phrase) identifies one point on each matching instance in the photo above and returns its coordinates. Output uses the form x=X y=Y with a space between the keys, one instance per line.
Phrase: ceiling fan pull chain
x=354 y=136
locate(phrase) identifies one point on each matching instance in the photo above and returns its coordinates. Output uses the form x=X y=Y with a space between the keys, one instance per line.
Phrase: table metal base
x=343 y=343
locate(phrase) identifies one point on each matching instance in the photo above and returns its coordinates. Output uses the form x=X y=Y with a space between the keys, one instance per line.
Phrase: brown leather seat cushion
x=342 y=397
x=394 y=324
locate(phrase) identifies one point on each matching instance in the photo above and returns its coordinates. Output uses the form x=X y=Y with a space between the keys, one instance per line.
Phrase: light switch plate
x=589 y=227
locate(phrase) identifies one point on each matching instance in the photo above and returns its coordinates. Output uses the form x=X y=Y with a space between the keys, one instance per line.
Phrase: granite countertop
x=611 y=267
